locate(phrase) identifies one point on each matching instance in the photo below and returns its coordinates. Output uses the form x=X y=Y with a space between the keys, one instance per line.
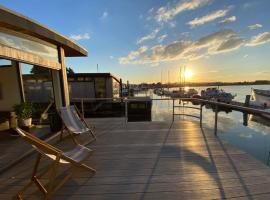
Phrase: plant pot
x=26 y=122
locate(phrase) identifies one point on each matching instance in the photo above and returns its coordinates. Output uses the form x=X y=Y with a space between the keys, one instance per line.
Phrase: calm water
x=254 y=138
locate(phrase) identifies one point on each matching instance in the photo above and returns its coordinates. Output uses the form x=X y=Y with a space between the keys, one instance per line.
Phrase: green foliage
x=40 y=70
x=24 y=110
x=70 y=70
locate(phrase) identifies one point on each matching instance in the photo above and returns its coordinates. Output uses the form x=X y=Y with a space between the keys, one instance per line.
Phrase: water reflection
x=253 y=138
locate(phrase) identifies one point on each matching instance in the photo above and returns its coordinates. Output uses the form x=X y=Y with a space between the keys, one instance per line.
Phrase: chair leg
x=93 y=135
x=20 y=193
x=52 y=178
x=62 y=132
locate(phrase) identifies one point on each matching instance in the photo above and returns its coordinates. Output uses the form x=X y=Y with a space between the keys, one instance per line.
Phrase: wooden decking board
x=156 y=160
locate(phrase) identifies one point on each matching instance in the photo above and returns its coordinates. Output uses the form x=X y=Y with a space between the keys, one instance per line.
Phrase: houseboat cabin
x=24 y=43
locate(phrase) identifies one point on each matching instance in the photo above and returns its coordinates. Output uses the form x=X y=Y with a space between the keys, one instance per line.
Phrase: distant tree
x=44 y=71
x=70 y=70
x=39 y=70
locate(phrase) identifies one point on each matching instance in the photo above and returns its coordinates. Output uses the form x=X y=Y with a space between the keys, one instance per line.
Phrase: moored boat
x=260 y=97
x=217 y=95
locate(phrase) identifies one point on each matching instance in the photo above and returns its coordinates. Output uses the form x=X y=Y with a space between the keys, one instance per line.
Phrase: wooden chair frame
x=64 y=127
x=47 y=150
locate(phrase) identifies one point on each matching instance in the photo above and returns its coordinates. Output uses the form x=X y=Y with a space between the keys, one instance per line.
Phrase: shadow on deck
x=155 y=160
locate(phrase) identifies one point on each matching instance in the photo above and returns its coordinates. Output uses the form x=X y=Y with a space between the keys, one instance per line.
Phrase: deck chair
x=74 y=122
x=74 y=158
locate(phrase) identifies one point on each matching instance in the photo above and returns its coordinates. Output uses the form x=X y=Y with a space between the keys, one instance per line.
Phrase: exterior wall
x=84 y=89
x=10 y=89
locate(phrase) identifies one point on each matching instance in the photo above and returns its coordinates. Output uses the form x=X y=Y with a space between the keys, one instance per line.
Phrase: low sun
x=188 y=74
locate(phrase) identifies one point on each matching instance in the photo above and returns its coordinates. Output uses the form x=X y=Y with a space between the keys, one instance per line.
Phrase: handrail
x=197 y=100
x=236 y=107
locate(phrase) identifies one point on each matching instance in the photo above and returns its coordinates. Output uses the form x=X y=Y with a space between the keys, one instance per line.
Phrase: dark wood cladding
x=17 y=22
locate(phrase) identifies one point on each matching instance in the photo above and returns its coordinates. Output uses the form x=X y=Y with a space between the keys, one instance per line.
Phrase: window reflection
x=28 y=44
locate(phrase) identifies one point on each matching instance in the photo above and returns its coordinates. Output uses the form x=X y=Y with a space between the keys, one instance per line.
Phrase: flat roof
x=76 y=75
x=20 y=23
x=93 y=75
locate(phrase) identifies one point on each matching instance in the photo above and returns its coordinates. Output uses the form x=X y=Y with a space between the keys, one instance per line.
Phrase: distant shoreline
x=212 y=84
x=225 y=84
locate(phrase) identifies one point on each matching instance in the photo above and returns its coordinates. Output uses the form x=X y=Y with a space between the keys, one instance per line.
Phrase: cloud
x=219 y=42
x=104 y=15
x=166 y=13
x=150 y=36
x=208 y=18
x=162 y=38
x=111 y=57
x=228 y=20
x=84 y=36
x=259 y=39
x=132 y=55
x=255 y=26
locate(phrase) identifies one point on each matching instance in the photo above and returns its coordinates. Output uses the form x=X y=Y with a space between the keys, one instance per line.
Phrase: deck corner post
x=126 y=111
x=201 y=106
x=216 y=119
x=173 y=111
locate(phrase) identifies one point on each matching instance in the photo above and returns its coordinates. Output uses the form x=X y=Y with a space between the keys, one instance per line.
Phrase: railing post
x=201 y=106
x=216 y=119
x=173 y=111
x=82 y=107
x=126 y=111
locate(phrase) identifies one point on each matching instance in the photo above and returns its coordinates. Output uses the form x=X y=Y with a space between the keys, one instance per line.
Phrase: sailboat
x=183 y=92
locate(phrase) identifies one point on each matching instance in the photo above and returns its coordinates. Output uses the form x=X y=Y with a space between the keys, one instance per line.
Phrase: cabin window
x=28 y=44
x=116 y=88
x=80 y=78
x=88 y=79
x=100 y=85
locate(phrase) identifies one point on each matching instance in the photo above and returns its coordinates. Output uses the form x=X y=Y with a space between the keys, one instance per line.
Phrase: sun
x=188 y=74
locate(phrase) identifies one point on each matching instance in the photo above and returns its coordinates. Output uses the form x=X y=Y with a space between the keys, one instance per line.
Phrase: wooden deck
x=156 y=160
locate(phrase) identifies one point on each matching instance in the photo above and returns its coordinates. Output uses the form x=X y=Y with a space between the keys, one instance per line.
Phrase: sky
x=149 y=40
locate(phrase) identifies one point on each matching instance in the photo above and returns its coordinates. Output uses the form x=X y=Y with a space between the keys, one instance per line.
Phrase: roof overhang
x=17 y=22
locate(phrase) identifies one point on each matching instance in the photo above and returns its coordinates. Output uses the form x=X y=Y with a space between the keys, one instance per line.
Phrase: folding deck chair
x=75 y=158
x=74 y=122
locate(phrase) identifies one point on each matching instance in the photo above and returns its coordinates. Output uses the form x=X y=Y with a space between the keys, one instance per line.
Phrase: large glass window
x=37 y=84
x=28 y=44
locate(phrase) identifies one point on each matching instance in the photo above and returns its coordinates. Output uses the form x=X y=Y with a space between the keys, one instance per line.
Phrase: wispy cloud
x=255 y=26
x=150 y=36
x=161 y=38
x=104 y=15
x=208 y=18
x=259 y=39
x=166 y=13
x=219 y=42
x=85 y=36
x=228 y=20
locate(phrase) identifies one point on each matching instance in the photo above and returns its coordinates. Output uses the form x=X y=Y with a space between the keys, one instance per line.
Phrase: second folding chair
x=74 y=122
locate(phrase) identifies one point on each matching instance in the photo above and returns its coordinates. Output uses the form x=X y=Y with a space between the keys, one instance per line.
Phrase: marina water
x=253 y=138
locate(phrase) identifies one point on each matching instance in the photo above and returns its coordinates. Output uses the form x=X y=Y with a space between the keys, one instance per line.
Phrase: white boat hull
x=261 y=99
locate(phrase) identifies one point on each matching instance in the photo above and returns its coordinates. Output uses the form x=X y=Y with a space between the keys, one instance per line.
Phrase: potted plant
x=24 y=112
